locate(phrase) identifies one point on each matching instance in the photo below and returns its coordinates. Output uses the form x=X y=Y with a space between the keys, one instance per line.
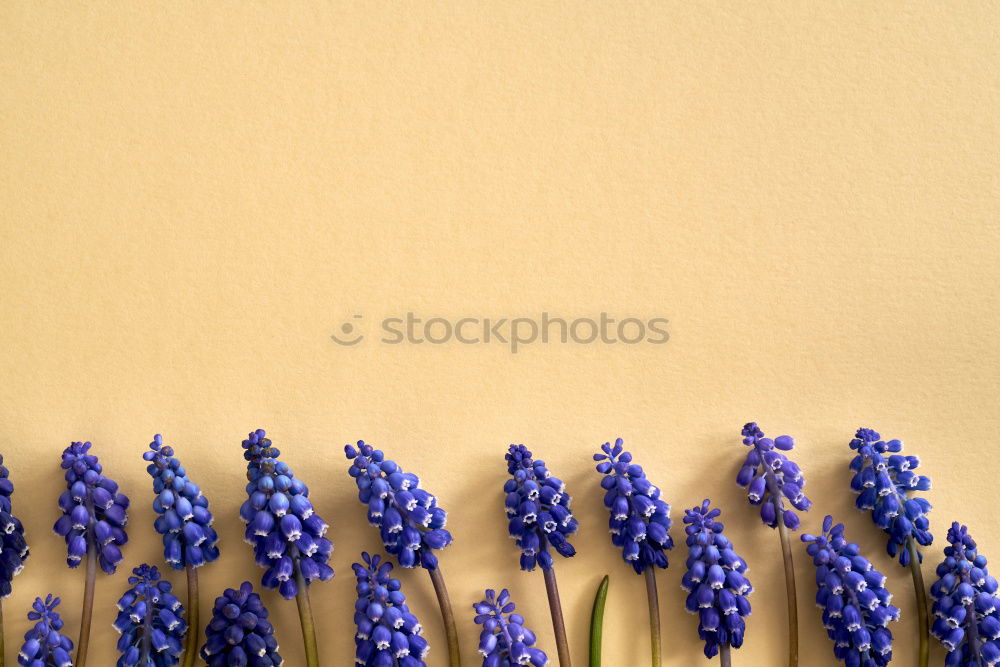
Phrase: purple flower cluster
x=94 y=512
x=44 y=644
x=715 y=580
x=640 y=520
x=856 y=606
x=150 y=620
x=184 y=520
x=388 y=634
x=538 y=511
x=410 y=522
x=771 y=479
x=504 y=641
x=13 y=548
x=284 y=530
x=239 y=632
x=883 y=479
x=966 y=604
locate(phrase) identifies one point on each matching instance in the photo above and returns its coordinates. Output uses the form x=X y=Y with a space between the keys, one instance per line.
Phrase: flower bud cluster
x=640 y=520
x=857 y=607
x=538 y=511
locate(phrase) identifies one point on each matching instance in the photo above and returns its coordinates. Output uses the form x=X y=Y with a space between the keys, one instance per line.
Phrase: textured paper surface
x=195 y=196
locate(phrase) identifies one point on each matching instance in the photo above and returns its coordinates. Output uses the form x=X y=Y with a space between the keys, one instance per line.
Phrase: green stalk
x=194 y=629
x=87 y=615
x=448 y=616
x=654 y=614
x=306 y=619
x=597 y=623
x=1 y=635
x=558 y=622
x=724 y=657
x=918 y=587
x=793 y=608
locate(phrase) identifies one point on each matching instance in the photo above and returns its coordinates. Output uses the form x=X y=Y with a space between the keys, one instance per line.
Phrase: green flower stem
x=597 y=623
x=2 y=647
x=87 y=615
x=793 y=607
x=306 y=619
x=654 y=614
x=921 y=591
x=448 y=616
x=558 y=623
x=194 y=627
x=724 y=657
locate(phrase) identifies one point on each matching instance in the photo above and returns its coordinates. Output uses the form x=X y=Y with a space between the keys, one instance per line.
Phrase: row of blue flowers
x=288 y=541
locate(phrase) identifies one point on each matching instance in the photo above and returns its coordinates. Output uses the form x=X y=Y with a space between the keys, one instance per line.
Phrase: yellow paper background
x=195 y=195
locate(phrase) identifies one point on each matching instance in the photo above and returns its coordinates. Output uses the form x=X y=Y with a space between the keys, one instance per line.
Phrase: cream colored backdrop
x=194 y=196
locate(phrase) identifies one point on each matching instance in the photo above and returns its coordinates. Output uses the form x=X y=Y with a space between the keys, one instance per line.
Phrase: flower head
x=883 y=479
x=239 y=632
x=640 y=521
x=504 y=640
x=856 y=606
x=94 y=511
x=44 y=644
x=285 y=532
x=13 y=548
x=150 y=619
x=537 y=510
x=408 y=518
x=184 y=519
x=966 y=604
x=388 y=634
x=771 y=479
x=715 y=581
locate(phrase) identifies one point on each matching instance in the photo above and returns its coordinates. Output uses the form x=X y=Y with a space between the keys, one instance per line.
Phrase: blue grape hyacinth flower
x=94 y=511
x=884 y=479
x=44 y=644
x=239 y=632
x=715 y=580
x=13 y=547
x=771 y=479
x=504 y=640
x=183 y=517
x=640 y=520
x=388 y=634
x=538 y=511
x=150 y=621
x=966 y=604
x=857 y=608
x=410 y=522
x=286 y=533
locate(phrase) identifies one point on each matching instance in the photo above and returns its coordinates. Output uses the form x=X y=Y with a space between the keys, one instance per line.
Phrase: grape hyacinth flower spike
x=857 y=608
x=539 y=519
x=185 y=522
x=639 y=524
x=388 y=634
x=93 y=525
x=239 y=632
x=286 y=533
x=716 y=583
x=775 y=484
x=966 y=604
x=150 y=621
x=504 y=640
x=13 y=548
x=410 y=523
x=884 y=481
x=44 y=644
